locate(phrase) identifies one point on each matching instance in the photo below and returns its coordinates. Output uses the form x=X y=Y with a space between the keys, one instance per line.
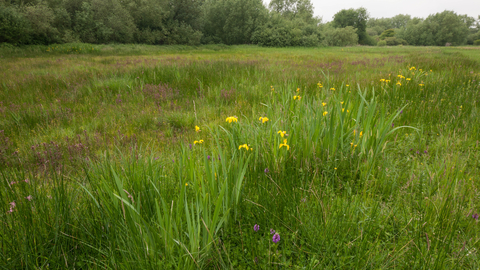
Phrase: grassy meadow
x=239 y=157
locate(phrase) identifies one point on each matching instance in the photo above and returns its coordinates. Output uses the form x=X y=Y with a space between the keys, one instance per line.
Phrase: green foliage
x=476 y=42
x=436 y=30
x=387 y=33
x=357 y=18
x=382 y=43
x=232 y=21
x=14 y=27
x=340 y=36
x=41 y=18
x=393 y=41
x=281 y=32
x=294 y=9
x=472 y=37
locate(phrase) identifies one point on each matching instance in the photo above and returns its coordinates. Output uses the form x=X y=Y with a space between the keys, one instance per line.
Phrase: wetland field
x=239 y=157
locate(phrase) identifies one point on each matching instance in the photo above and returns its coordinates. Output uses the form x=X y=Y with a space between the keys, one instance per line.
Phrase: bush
x=14 y=27
x=382 y=43
x=280 y=32
x=387 y=34
x=476 y=42
x=340 y=36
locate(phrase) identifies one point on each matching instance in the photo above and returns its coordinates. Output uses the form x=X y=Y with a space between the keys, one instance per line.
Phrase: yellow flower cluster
x=271 y=88
x=412 y=68
x=284 y=144
x=282 y=133
x=399 y=83
x=324 y=104
x=325 y=113
x=401 y=77
x=231 y=119
x=263 y=119
x=333 y=89
x=199 y=142
x=319 y=85
x=245 y=146
x=197 y=129
x=297 y=97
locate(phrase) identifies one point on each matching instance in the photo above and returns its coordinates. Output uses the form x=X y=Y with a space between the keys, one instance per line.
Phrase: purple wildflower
x=256 y=260
x=219 y=157
x=12 y=205
x=266 y=170
x=29 y=197
x=208 y=157
x=276 y=238
x=401 y=111
x=475 y=216
x=12 y=183
x=272 y=231
x=190 y=146
x=256 y=227
x=393 y=125
x=27 y=181
x=426 y=152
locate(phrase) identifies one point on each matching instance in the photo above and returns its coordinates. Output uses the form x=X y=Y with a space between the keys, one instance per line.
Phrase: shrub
x=476 y=42
x=14 y=27
x=387 y=33
x=340 y=36
x=382 y=43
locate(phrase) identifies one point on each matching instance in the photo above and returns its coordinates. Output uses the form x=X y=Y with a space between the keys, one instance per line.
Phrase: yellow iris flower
x=282 y=133
x=244 y=146
x=284 y=144
x=263 y=119
x=197 y=129
x=231 y=119
x=199 y=142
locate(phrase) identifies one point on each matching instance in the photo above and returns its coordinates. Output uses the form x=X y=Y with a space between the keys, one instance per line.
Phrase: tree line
x=192 y=22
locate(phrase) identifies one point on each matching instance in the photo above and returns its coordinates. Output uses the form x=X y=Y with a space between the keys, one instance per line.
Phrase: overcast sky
x=389 y=8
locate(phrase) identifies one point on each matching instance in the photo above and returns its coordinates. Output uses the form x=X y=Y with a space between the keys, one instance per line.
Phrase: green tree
x=292 y=9
x=357 y=18
x=387 y=33
x=279 y=31
x=104 y=21
x=41 y=18
x=232 y=21
x=14 y=27
x=436 y=30
x=346 y=36
x=400 y=21
x=448 y=27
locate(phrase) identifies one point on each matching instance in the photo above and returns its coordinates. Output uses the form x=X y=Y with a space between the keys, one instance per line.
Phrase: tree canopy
x=193 y=22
